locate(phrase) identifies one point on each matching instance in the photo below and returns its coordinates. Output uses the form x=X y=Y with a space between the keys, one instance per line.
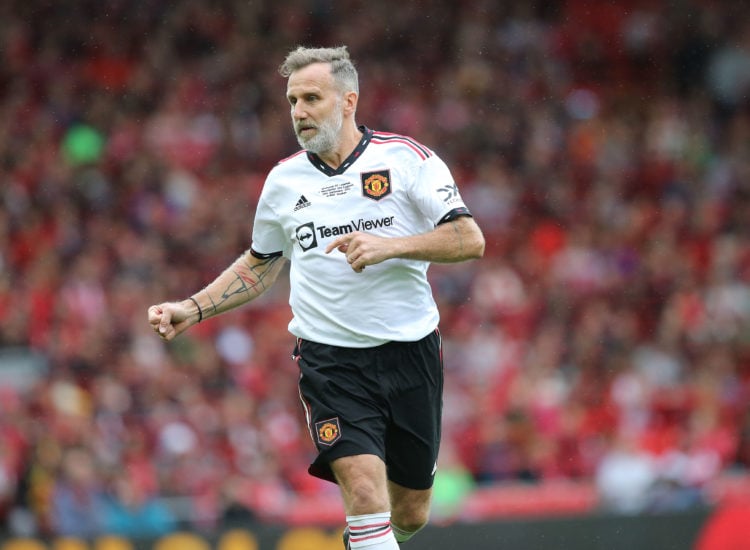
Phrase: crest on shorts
x=328 y=431
x=376 y=185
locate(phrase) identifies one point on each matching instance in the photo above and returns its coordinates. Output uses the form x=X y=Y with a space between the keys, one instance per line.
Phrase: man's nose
x=298 y=111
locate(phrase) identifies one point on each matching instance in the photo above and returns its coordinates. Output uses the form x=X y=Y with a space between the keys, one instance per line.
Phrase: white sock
x=371 y=531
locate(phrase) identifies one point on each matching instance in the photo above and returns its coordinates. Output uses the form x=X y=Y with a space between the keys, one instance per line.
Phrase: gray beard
x=327 y=137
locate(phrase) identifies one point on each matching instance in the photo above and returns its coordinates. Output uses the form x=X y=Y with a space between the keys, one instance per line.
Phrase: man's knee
x=364 y=496
x=362 y=482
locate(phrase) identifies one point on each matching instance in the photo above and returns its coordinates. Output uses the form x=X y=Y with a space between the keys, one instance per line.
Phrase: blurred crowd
x=603 y=147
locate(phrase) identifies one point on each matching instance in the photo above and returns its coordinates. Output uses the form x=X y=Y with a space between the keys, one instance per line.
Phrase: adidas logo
x=301 y=203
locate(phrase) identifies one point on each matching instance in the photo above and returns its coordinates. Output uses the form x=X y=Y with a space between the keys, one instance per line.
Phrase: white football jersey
x=390 y=186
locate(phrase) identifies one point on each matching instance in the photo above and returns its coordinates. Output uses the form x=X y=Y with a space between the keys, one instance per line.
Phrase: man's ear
x=350 y=103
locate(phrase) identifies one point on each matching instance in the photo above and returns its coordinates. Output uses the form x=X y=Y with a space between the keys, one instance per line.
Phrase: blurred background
x=597 y=358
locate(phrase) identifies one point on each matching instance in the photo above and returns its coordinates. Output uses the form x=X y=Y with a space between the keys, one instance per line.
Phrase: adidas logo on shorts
x=301 y=203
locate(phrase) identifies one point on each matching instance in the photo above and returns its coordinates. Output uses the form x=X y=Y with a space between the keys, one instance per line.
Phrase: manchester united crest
x=376 y=185
x=328 y=431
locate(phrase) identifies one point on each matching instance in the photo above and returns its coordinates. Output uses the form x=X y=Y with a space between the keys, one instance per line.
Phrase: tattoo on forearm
x=249 y=280
x=212 y=302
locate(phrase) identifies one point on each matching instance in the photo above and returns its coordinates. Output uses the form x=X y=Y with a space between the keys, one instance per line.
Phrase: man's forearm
x=454 y=241
x=246 y=279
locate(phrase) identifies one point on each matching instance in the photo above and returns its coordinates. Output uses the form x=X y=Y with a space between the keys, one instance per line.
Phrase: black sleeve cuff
x=265 y=256
x=455 y=213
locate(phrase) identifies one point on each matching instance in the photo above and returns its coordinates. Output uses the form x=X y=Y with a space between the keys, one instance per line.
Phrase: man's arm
x=246 y=279
x=455 y=241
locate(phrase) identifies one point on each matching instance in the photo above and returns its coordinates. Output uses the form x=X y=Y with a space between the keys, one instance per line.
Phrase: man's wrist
x=194 y=307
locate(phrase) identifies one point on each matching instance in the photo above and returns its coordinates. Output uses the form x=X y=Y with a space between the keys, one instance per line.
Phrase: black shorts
x=386 y=400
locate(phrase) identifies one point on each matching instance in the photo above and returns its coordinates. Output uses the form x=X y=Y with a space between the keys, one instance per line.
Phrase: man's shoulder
x=290 y=166
x=293 y=159
x=399 y=143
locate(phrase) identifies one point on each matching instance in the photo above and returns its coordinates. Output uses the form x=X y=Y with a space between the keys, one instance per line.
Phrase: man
x=359 y=214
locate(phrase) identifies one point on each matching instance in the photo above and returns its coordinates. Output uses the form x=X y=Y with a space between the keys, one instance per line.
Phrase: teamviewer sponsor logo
x=354 y=225
x=306 y=236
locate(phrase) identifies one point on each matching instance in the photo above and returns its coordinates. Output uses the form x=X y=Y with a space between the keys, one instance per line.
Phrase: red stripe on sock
x=368 y=537
x=368 y=527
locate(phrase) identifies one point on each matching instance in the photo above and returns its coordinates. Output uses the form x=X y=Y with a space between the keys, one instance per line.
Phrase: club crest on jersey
x=328 y=431
x=376 y=185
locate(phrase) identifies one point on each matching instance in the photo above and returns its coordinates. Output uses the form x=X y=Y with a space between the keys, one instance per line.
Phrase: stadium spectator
x=130 y=512
x=78 y=499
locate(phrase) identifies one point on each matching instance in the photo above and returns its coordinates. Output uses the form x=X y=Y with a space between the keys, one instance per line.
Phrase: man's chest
x=315 y=210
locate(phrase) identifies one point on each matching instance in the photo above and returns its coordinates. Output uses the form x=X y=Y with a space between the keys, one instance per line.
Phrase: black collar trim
x=361 y=146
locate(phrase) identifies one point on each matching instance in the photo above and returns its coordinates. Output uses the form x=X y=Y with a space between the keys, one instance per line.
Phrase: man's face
x=316 y=107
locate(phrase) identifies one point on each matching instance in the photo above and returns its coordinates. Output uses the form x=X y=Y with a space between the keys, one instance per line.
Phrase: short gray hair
x=342 y=69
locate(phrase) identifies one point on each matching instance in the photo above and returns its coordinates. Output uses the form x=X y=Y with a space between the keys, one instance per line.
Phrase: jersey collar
x=327 y=170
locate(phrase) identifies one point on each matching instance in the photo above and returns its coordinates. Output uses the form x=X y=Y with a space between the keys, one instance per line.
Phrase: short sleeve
x=268 y=236
x=434 y=190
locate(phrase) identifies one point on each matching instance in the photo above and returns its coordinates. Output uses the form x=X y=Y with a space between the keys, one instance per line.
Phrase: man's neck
x=350 y=138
